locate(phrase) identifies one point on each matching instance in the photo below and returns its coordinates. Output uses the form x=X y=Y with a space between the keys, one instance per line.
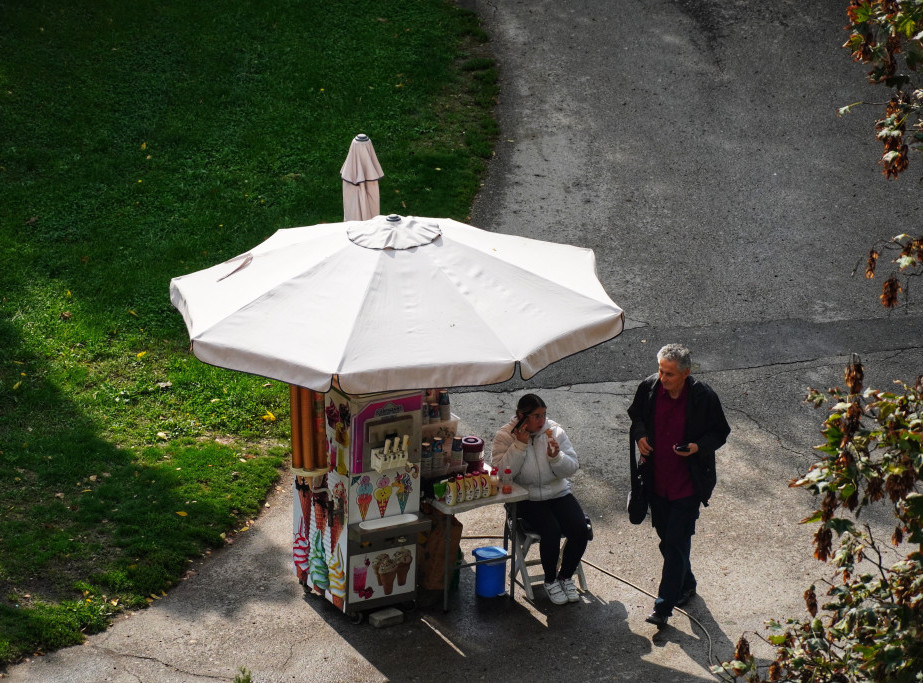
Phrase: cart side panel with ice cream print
x=382 y=573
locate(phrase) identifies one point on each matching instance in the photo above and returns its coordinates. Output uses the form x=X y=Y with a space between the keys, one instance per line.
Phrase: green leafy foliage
x=886 y=35
x=871 y=627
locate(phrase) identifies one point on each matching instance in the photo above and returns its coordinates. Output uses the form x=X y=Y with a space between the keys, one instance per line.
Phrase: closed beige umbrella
x=361 y=173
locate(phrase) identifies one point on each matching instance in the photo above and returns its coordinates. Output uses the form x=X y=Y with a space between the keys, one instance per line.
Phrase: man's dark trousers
x=674 y=522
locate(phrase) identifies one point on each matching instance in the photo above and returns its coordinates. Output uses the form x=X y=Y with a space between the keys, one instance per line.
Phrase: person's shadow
x=707 y=642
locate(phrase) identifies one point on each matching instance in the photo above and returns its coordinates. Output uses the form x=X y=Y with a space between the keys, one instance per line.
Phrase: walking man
x=678 y=424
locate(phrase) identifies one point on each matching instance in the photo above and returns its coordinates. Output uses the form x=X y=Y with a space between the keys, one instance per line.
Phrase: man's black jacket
x=706 y=426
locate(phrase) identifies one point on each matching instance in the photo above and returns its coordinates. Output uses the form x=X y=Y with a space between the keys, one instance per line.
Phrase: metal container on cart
x=372 y=490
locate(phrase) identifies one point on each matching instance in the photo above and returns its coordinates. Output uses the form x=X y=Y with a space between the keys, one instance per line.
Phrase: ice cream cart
x=371 y=490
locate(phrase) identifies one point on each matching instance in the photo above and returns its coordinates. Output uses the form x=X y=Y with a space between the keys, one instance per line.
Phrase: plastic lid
x=491 y=552
x=472 y=444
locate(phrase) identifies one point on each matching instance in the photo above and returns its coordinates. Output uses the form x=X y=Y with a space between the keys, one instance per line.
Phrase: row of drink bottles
x=472 y=486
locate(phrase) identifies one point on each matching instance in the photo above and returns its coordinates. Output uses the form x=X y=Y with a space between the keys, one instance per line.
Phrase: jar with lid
x=473 y=452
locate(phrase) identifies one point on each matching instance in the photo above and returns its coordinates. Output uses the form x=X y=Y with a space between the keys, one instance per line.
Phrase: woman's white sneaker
x=556 y=592
x=570 y=590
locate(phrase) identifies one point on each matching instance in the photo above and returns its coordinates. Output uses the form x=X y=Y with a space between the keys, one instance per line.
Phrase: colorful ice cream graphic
x=336 y=572
x=300 y=548
x=383 y=494
x=338 y=518
x=404 y=489
x=402 y=558
x=318 y=564
x=338 y=419
x=319 y=498
x=385 y=571
x=364 y=497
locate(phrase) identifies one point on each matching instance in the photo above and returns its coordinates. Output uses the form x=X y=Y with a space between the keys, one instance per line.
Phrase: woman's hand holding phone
x=519 y=432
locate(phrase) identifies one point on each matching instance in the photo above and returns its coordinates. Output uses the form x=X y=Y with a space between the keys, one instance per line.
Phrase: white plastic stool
x=524 y=541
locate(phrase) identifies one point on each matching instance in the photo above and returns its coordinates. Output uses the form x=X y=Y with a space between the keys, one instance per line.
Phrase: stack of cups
x=426 y=460
x=438 y=458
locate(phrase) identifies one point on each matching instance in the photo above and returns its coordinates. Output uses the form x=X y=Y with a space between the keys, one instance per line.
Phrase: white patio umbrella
x=396 y=303
x=361 y=173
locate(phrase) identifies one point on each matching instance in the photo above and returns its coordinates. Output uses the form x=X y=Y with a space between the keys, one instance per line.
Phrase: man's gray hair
x=678 y=354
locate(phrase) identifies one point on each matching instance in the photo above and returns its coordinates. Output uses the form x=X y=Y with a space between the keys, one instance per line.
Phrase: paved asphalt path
x=694 y=146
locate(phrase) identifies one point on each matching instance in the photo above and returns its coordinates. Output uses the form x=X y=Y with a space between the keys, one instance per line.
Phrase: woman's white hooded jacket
x=544 y=477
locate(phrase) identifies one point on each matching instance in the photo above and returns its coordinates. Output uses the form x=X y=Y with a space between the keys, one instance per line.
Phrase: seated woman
x=540 y=456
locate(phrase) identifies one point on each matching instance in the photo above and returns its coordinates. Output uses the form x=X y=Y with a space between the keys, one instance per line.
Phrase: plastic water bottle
x=506 y=481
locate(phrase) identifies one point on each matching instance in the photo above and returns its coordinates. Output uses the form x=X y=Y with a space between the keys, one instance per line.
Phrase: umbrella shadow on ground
x=585 y=641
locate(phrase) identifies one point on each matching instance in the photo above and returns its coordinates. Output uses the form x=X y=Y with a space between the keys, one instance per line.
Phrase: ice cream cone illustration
x=336 y=572
x=318 y=564
x=364 y=497
x=304 y=499
x=385 y=571
x=404 y=489
x=382 y=557
x=338 y=516
x=402 y=559
x=383 y=494
x=319 y=498
x=300 y=548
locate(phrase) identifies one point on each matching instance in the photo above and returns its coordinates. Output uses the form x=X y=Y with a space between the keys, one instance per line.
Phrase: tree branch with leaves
x=871 y=626
x=888 y=36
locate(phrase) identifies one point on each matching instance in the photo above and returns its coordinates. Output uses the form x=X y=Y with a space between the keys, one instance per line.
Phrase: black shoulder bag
x=637 y=497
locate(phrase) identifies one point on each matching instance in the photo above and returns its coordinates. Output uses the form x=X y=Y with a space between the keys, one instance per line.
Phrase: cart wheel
x=409 y=605
x=357 y=617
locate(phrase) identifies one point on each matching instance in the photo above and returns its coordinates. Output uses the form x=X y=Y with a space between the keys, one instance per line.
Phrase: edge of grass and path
x=142 y=141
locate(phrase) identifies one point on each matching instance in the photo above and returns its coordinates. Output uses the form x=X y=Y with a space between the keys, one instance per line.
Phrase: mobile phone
x=682 y=447
x=520 y=423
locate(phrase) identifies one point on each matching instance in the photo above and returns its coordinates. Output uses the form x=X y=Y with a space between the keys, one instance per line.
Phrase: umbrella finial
x=362 y=137
x=393 y=232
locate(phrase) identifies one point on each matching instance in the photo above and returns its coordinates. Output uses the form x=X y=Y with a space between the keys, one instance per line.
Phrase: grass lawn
x=140 y=141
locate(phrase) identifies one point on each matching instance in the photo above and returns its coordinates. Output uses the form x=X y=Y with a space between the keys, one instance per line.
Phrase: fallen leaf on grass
x=181 y=513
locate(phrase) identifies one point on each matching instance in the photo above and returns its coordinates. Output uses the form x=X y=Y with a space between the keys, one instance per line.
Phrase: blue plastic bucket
x=490 y=578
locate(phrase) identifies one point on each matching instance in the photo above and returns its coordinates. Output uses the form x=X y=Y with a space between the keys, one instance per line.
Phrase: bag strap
x=634 y=465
